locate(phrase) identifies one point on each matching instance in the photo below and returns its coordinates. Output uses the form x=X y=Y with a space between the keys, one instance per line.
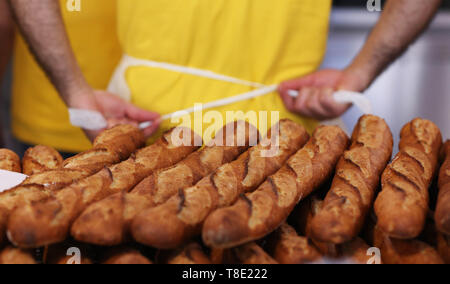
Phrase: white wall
x=418 y=85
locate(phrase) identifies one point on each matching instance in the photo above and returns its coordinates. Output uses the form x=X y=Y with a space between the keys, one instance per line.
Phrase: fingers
x=140 y=115
x=316 y=103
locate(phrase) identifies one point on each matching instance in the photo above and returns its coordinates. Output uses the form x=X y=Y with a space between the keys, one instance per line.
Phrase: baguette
x=190 y=254
x=403 y=203
x=443 y=247
x=107 y=222
x=357 y=178
x=287 y=247
x=3 y=224
x=48 y=222
x=259 y=213
x=307 y=211
x=250 y=254
x=11 y=255
x=9 y=161
x=40 y=186
x=40 y=159
x=124 y=255
x=442 y=216
x=180 y=218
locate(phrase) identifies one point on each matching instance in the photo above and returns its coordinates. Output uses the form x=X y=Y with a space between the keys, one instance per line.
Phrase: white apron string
x=119 y=86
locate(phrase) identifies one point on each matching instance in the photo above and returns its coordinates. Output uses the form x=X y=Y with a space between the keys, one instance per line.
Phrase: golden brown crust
x=11 y=255
x=41 y=159
x=287 y=247
x=442 y=216
x=49 y=221
x=250 y=254
x=124 y=255
x=443 y=247
x=354 y=186
x=107 y=222
x=181 y=217
x=9 y=161
x=190 y=254
x=402 y=205
x=261 y=212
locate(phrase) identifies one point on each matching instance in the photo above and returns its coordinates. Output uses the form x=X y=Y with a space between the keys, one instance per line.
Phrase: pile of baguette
x=319 y=198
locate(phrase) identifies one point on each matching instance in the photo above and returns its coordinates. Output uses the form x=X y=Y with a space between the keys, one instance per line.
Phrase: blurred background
x=418 y=85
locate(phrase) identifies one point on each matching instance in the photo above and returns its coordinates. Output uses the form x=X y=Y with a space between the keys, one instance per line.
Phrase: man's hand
x=115 y=110
x=316 y=93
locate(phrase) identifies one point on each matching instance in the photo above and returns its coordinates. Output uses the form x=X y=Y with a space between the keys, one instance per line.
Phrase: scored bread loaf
x=357 y=178
x=11 y=255
x=107 y=222
x=40 y=159
x=174 y=222
x=403 y=203
x=48 y=222
x=106 y=151
x=259 y=213
x=125 y=255
x=9 y=161
x=287 y=247
x=191 y=254
x=248 y=254
x=442 y=216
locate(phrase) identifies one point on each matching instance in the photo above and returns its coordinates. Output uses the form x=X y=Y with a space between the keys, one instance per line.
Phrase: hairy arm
x=400 y=24
x=42 y=25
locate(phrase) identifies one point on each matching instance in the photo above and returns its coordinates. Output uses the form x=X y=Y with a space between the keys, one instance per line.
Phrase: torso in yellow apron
x=39 y=115
x=259 y=41
x=256 y=41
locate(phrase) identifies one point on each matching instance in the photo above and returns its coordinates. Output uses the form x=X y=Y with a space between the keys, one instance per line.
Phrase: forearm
x=41 y=23
x=6 y=37
x=401 y=22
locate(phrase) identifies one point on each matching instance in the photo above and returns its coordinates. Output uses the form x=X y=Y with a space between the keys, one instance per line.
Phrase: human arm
x=400 y=24
x=41 y=23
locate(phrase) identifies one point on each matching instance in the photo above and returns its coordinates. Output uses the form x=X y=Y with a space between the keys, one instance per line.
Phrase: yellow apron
x=260 y=41
x=39 y=115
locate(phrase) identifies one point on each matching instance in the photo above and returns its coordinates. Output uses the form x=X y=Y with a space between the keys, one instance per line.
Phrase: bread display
x=40 y=186
x=48 y=222
x=442 y=216
x=287 y=247
x=174 y=222
x=9 y=161
x=41 y=159
x=97 y=225
x=11 y=255
x=261 y=212
x=357 y=179
x=403 y=203
x=288 y=198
